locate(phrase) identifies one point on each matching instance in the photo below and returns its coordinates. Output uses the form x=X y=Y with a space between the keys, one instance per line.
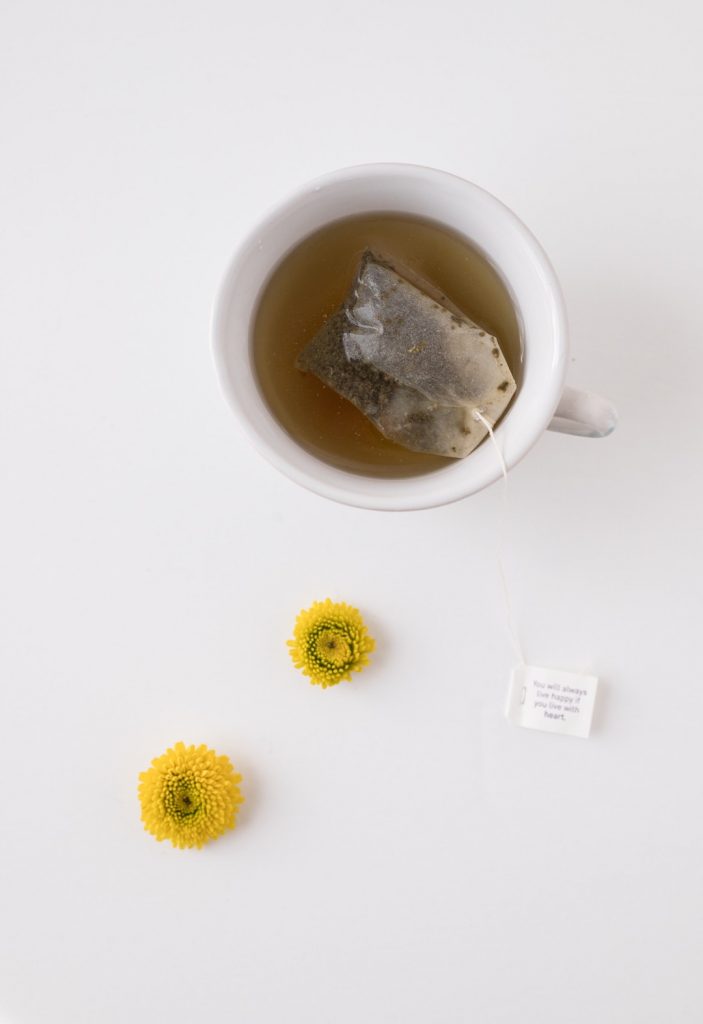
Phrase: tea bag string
x=512 y=629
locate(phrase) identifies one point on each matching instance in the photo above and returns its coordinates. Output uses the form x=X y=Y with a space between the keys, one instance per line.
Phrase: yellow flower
x=189 y=795
x=330 y=642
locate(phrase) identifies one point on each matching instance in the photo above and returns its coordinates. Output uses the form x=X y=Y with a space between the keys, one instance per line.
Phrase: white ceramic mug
x=542 y=401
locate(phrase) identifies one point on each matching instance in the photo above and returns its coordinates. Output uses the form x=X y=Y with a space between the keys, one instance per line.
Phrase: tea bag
x=411 y=362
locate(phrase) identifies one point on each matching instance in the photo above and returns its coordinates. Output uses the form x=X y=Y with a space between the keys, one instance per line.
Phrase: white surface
x=405 y=855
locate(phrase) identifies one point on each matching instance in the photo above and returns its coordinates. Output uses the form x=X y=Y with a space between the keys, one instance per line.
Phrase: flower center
x=333 y=647
x=182 y=798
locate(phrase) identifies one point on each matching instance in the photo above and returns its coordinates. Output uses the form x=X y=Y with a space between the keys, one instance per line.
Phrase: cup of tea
x=287 y=276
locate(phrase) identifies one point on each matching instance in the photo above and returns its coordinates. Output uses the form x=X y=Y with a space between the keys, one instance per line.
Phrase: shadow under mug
x=542 y=401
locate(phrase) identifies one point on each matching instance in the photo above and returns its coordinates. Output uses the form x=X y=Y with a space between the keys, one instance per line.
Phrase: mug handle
x=584 y=414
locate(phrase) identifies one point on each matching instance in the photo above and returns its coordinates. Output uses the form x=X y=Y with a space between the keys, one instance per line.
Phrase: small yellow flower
x=330 y=642
x=190 y=795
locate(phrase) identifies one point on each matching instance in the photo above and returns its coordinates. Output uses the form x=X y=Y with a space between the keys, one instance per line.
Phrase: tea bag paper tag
x=551 y=700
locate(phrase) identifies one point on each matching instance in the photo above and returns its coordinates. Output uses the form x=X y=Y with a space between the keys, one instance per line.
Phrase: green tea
x=308 y=286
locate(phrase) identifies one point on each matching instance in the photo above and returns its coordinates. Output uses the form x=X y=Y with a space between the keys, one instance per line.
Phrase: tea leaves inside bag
x=411 y=361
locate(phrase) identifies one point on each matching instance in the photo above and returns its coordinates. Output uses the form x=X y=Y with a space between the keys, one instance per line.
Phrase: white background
x=404 y=854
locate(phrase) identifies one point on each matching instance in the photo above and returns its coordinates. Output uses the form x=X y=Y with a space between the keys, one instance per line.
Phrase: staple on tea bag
x=411 y=362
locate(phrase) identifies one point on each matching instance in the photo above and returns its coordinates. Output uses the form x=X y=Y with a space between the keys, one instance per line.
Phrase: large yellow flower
x=189 y=795
x=330 y=642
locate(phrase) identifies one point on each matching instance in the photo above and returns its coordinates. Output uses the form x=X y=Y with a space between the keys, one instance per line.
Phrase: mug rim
x=383 y=493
